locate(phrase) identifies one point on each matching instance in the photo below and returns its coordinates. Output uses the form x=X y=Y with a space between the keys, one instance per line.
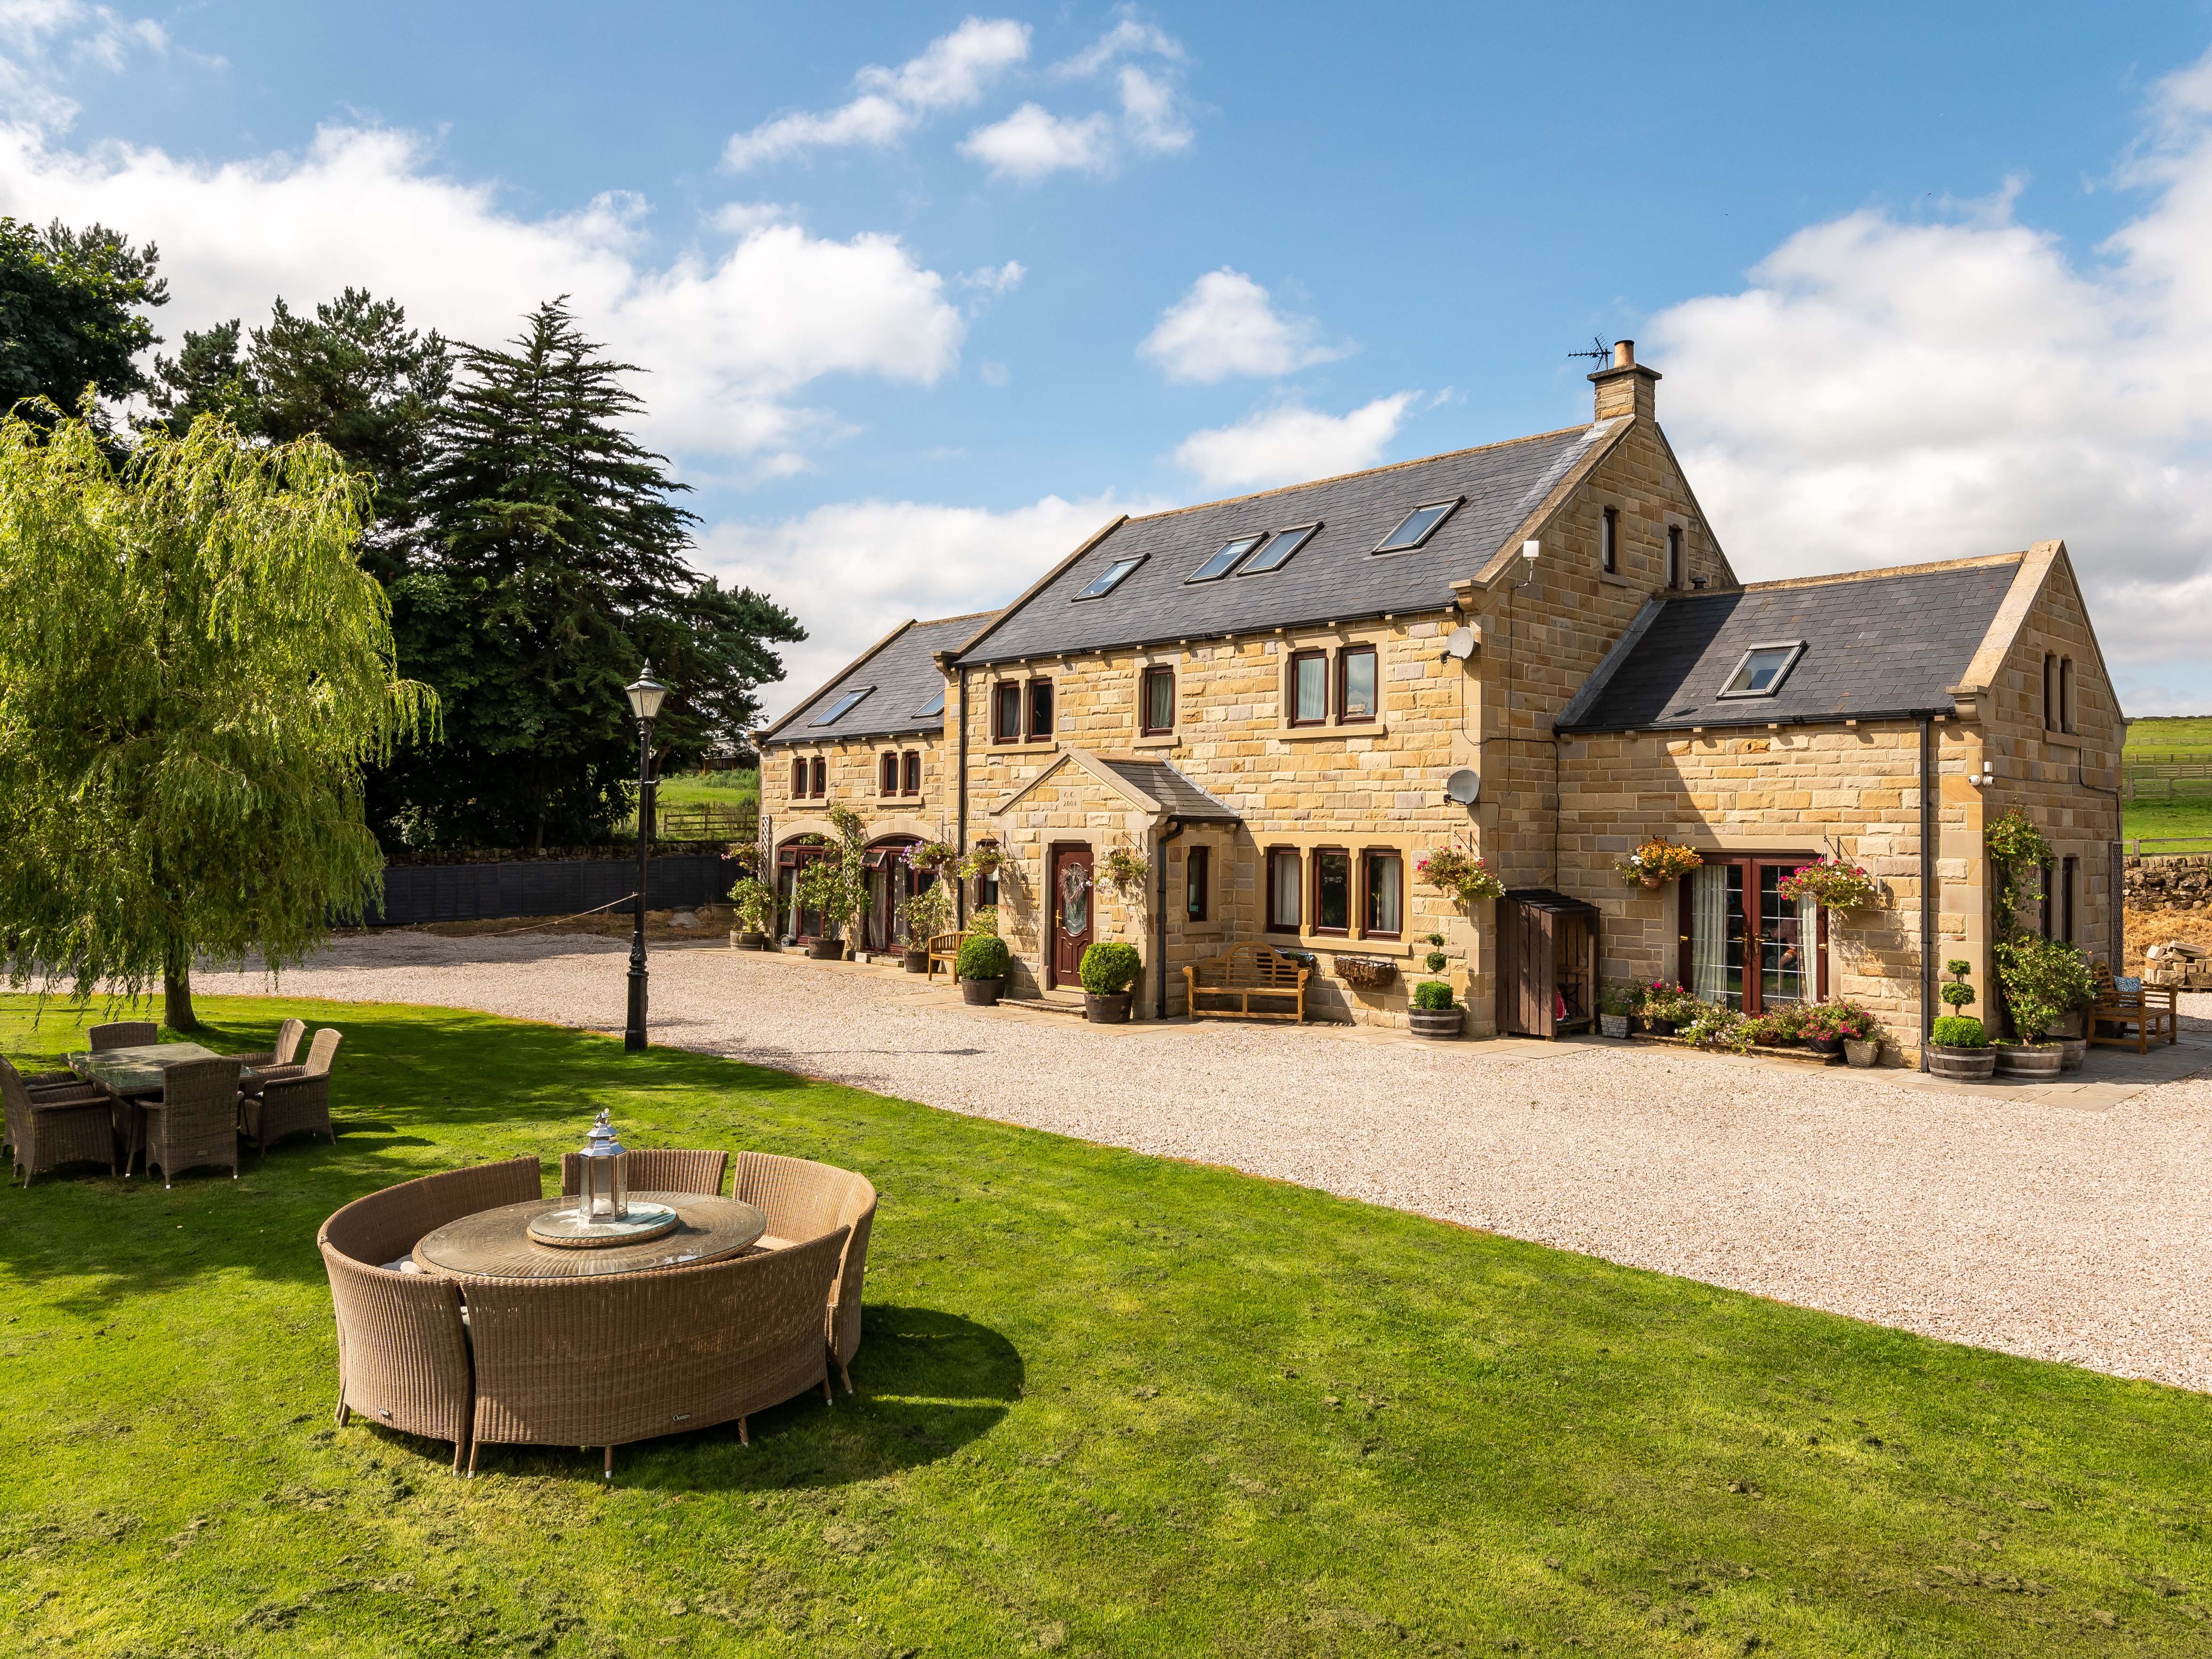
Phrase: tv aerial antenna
x=1599 y=349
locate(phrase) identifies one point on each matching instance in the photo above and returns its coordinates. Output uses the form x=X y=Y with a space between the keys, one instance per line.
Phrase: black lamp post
x=645 y=694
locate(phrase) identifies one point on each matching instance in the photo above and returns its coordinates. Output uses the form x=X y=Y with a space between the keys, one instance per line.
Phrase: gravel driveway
x=2036 y=1228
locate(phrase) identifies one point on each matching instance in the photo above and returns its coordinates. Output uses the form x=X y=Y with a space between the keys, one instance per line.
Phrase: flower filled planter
x=1830 y=1028
x=1109 y=970
x=2036 y=1061
x=1657 y=862
x=1461 y=876
x=983 y=861
x=1959 y=1048
x=981 y=968
x=1861 y=1054
x=1434 y=1017
x=1366 y=973
x=1835 y=884
x=1825 y=1045
x=931 y=858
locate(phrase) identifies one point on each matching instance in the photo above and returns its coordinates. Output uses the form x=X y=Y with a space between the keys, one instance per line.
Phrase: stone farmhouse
x=1533 y=651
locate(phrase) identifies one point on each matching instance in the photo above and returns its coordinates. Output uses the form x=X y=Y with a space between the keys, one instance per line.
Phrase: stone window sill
x=1019 y=749
x=1618 y=581
x=1167 y=742
x=1309 y=733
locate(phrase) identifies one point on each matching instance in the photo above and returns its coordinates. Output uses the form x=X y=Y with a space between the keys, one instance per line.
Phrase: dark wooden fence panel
x=542 y=887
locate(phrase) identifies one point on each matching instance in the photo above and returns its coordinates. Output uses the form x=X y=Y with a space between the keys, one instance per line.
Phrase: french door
x=1745 y=946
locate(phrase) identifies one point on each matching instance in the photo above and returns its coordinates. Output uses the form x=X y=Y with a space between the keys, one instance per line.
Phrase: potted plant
x=1655 y=1005
x=1434 y=1016
x=1436 y=959
x=981 y=968
x=1109 y=968
x=928 y=913
x=754 y=901
x=931 y=858
x=1959 y=1048
x=1463 y=876
x=985 y=921
x=824 y=888
x=1126 y=871
x=1838 y=884
x=1657 y=862
x=2043 y=979
x=983 y=859
x=1613 y=1008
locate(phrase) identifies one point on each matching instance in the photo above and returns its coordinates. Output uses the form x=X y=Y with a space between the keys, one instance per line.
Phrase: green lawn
x=2177 y=732
x=721 y=788
x=2160 y=818
x=1108 y=1404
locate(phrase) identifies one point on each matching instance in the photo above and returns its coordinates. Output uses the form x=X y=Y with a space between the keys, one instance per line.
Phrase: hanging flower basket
x=1657 y=863
x=1126 y=870
x=931 y=858
x=1463 y=876
x=1838 y=884
x=983 y=859
x=1366 y=973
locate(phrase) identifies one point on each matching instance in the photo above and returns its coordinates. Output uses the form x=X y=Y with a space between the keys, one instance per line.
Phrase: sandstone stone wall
x=2180 y=882
x=854 y=778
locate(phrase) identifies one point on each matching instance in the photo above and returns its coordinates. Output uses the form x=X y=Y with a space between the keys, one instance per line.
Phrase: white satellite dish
x=1461 y=644
x=1462 y=787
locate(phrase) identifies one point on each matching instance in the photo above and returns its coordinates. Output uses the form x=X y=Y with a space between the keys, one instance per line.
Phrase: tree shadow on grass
x=927 y=1382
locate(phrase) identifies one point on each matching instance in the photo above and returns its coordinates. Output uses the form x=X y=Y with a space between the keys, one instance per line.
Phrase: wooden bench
x=945 y=948
x=1246 y=971
x=2152 y=1011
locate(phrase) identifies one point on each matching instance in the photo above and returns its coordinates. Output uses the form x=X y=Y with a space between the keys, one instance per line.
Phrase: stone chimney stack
x=1626 y=388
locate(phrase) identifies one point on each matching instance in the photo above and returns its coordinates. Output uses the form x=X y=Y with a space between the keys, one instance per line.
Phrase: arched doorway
x=891 y=881
x=799 y=926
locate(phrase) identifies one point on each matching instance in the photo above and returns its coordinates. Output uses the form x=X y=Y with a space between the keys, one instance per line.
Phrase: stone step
x=1043 y=1006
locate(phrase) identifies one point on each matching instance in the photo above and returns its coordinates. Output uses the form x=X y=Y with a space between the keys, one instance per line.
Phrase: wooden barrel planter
x=749 y=941
x=827 y=949
x=1434 y=1024
x=915 y=962
x=982 y=992
x=1962 y=1065
x=2036 y=1062
x=2073 y=1051
x=1107 y=1010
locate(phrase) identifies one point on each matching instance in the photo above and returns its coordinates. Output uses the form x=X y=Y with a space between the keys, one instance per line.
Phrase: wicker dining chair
x=802 y=1199
x=403 y=1346
x=610 y=1360
x=275 y=1060
x=53 y=1126
x=122 y=1034
x=296 y=1102
x=655 y=1169
x=195 y=1123
x=39 y=1086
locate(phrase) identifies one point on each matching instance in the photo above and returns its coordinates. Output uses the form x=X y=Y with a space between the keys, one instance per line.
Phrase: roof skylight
x=1417 y=527
x=934 y=706
x=1225 y=561
x=1277 y=553
x=844 y=706
x=1111 y=578
x=1762 y=669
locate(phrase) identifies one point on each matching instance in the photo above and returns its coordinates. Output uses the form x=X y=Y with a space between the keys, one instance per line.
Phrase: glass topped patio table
x=131 y=1074
x=497 y=1245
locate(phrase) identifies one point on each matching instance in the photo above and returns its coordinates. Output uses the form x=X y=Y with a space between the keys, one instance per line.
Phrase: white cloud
x=1886 y=391
x=854 y=570
x=1290 y=443
x=1152 y=114
x=730 y=337
x=989 y=282
x=40 y=39
x=1225 y=325
x=1032 y=143
x=1127 y=39
x=952 y=73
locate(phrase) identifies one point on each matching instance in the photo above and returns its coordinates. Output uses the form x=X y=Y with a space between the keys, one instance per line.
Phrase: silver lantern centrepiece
x=603 y=1193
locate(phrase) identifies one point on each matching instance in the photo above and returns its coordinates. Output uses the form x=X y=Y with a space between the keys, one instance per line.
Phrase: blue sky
x=928 y=292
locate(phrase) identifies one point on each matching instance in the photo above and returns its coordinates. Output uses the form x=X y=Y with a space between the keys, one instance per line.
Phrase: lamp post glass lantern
x=645 y=694
x=602 y=1191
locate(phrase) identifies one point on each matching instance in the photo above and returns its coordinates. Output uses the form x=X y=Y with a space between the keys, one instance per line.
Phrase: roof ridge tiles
x=1933 y=566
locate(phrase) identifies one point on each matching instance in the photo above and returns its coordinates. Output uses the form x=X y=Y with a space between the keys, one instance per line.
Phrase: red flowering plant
x=1830 y=1022
x=1657 y=861
x=1838 y=884
x=1464 y=876
x=930 y=858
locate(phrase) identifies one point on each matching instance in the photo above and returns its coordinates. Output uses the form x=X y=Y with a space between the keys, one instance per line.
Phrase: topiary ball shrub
x=1958 y=1031
x=982 y=955
x=1110 y=967
x=1432 y=995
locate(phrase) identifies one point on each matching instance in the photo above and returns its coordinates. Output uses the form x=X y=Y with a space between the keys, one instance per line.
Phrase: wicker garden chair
x=402 y=1347
x=655 y=1169
x=609 y=1361
x=297 y=1100
x=802 y=1200
x=275 y=1060
x=122 y=1034
x=195 y=1123
x=39 y=1086
x=49 y=1127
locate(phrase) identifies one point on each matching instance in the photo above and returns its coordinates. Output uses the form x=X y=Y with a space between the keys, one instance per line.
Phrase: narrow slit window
x=1608 y=542
x=798 y=779
x=1674 y=556
x=1110 y=578
x=1355 y=695
x=1384 y=895
x=1159 y=701
x=1277 y=553
x=844 y=706
x=1332 y=890
x=1227 y=560
x=1285 y=889
x=1040 y=710
x=1310 y=688
x=911 y=767
x=2066 y=697
x=2068 y=874
x=1417 y=527
x=2049 y=692
x=1197 y=866
x=1762 y=669
x=1007 y=712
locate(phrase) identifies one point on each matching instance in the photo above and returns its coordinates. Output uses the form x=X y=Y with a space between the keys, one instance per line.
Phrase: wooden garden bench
x=1246 y=971
x=945 y=948
x=2152 y=1011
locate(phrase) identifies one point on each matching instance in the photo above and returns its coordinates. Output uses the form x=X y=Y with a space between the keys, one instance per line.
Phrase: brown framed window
x=887 y=778
x=797 y=777
x=2066 y=693
x=1358 y=696
x=912 y=763
x=1608 y=542
x=2047 y=911
x=2069 y=874
x=1197 y=868
x=1159 y=701
x=1007 y=712
x=986 y=890
x=821 y=780
x=1332 y=890
x=2049 y=692
x=1382 y=895
x=1286 y=891
x=1674 y=556
x=1040 y=710
x=1308 y=688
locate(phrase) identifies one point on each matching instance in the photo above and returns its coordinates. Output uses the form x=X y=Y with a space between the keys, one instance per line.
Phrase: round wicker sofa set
x=603 y=1361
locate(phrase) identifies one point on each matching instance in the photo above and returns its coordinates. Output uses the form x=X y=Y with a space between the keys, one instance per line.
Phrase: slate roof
x=905 y=678
x=1335 y=576
x=1180 y=797
x=1888 y=642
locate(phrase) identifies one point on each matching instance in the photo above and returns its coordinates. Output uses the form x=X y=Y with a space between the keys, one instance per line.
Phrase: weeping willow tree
x=194 y=669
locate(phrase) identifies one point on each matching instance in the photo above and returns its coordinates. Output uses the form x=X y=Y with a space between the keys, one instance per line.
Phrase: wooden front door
x=1072 y=902
x=1745 y=946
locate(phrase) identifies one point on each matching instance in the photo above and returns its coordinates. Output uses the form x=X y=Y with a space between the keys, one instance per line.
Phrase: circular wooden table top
x=496 y=1243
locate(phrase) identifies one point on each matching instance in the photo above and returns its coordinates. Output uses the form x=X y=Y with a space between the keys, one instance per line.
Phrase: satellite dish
x=1461 y=644
x=1462 y=787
